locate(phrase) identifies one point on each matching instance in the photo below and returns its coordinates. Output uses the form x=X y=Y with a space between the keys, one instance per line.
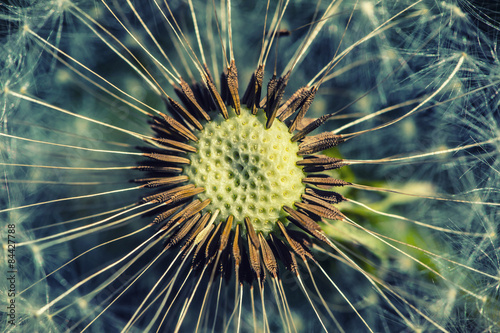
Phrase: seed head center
x=246 y=170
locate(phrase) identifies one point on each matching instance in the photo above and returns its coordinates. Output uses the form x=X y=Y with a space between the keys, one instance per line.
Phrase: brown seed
x=292 y=104
x=281 y=33
x=268 y=257
x=203 y=96
x=202 y=223
x=167 y=158
x=215 y=94
x=317 y=160
x=162 y=131
x=163 y=181
x=178 y=127
x=190 y=99
x=159 y=169
x=271 y=88
x=274 y=99
x=312 y=226
x=179 y=109
x=184 y=194
x=225 y=233
x=254 y=258
x=159 y=147
x=305 y=105
x=331 y=197
x=181 y=215
x=325 y=181
x=285 y=255
x=254 y=89
x=318 y=163
x=251 y=233
x=236 y=250
x=232 y=84
x=191 y=209
x=211 y=248
x=164 y=196
x=331 y=212
x=176 y=144
x=307 y=224
x=183 y=231
x=310 y=127
x=166 y=214
x=296 y=246
x=320 y=142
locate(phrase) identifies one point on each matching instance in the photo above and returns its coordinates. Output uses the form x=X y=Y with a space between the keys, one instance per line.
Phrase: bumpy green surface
x=247 y=170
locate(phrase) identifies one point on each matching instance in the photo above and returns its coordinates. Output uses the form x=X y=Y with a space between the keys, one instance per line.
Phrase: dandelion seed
x=234 y=166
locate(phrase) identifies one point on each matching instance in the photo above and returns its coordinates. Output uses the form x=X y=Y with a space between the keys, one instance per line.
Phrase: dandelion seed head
x=409 y=129
x=371 y=298
x=367 y=7
x=405 y=264
x=247 y=170
x=62 y=76
x=37 y=254
x=454 y=8
x=82 y=303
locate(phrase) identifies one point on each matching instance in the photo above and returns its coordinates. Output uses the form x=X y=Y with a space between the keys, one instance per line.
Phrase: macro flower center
x=246 y=169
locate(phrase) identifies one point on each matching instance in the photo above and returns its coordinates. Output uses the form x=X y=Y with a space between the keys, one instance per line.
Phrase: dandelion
x=233 y=166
